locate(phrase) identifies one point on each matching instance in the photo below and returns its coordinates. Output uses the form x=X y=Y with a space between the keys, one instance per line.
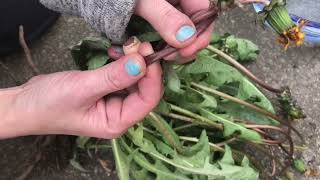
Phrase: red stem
x=202 y=19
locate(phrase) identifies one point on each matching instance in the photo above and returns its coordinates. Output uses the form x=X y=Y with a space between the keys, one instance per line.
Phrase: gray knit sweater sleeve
x=107 y=16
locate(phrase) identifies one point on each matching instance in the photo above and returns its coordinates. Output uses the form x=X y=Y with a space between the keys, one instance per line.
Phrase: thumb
x=115 y=76
x=175 y=27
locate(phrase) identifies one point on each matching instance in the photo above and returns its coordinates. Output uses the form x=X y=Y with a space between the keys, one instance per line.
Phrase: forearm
x=107 y=16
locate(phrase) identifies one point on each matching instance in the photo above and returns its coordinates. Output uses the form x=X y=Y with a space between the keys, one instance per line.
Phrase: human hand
x=84 y=103
x=175 y=26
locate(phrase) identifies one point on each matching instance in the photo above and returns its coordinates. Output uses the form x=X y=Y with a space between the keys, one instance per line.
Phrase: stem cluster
x=202 y=20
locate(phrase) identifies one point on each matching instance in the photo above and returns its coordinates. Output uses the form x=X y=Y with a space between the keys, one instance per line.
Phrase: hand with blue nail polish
x=101 y=103
x=185 y=33
x=133 y=68
x=171 y=19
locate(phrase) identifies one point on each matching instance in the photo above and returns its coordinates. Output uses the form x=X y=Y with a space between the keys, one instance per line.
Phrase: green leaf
x=121 y=160
x=163 y=107
x=207 y=102
x=87 y=48
x=161 y=146
x=215 y=38
x=94 y=44
x=218 y=75
x=232 y=172
x=197 y=164
x=191 y=99
x=230 y=127
x=230 y=88
x=169 y=136
x=82 y=141
x=97 y=61
x=138 y=25
x=147 y=147
x=246 y=92
x=300 y=165
x=201 y=151
x=243 y=172
x=242 y=49
x=234 y=110
x=172 y=80
x=217 y=72
x=149 y=37
x=227 y=157
x=140 y=174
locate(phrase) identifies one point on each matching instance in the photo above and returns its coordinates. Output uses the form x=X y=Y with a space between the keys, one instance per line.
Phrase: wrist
x=9 y=125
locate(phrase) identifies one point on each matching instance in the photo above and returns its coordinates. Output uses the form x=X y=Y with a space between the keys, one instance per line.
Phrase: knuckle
x=150 y=102
x=168 y=12
x=111 y=80
x=172 y=17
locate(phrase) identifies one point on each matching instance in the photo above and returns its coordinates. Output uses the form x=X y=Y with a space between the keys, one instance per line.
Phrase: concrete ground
x=298 y=67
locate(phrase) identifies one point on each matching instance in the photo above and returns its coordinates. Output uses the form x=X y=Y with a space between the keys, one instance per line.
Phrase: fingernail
x=130 y=41
x=133 y=68
x=132 y=45
x=185 y=32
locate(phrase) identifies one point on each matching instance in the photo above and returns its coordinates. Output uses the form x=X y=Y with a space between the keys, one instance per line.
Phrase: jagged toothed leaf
x=199 y=164
x=233 y=172
x=161 y=146
x=227 y=157
x=153 y=167
x=218 y=74
x=199 y=156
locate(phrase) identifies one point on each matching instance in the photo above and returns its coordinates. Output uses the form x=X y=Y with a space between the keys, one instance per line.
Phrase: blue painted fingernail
x=185 y=32
x=133 y=68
